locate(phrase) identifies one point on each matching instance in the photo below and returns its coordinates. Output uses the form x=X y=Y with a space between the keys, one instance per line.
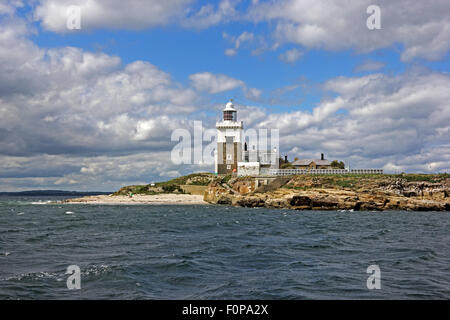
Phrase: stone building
x=321 y=163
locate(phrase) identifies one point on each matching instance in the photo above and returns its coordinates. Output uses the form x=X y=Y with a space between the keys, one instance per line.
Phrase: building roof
x=307 y=162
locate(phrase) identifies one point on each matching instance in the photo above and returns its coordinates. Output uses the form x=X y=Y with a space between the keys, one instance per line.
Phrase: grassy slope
x=201 y=179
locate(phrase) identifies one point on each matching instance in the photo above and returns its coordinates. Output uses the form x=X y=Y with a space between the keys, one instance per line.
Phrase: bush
x=337 y=164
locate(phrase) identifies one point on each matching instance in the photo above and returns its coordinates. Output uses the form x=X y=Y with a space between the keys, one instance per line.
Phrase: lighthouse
x=229 y=141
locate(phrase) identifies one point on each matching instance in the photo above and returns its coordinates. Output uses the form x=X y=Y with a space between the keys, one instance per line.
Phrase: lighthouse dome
x=229 y=106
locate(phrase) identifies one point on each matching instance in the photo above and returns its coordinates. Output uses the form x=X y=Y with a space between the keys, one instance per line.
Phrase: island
x=353 y=192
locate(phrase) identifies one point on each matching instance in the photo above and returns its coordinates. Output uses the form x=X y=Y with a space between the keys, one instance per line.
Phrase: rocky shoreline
x=312 y=192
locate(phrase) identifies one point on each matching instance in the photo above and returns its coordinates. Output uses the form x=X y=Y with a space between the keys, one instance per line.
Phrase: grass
x=353 y=181
x=226 y=178
x=203 y=179
x=303 y=188
x=170 y=186
x=433 y=178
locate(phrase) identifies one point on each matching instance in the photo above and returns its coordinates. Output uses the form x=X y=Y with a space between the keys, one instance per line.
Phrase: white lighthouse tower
x=229 y=141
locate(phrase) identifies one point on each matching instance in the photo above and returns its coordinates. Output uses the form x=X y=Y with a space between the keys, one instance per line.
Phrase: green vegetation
x=171 y=186
x=337 y=164
x=356 y=181
x=226 y=178
x=199 y=179
x=136 y=190
x=433 y=178
x=303 y=188
x=299 y=182
x=287 y=166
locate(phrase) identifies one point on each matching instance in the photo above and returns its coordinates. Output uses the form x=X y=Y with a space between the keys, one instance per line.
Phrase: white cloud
x=113 y=14
x=374 y=121
x=237 y=41
x=291 y=56
x=214 y=83
x=423 y=28
x=68 y=100
x=208 y=15
x=84 y=120
x=230 y=52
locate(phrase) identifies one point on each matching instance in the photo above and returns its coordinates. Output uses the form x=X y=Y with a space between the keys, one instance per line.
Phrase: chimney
x=322 y=157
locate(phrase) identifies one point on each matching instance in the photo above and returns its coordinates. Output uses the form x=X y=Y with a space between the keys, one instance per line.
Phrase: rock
x=324 y=203
x=300 y=201
x=224 y=200
x=410 y=194
x=251 y=202
x=328 y=193
x=357 y=206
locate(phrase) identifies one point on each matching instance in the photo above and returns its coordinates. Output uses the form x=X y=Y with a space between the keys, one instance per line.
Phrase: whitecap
x=20 y=213
x=70 y=212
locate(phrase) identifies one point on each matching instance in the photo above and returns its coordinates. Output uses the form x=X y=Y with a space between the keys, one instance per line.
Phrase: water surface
x=219 y=252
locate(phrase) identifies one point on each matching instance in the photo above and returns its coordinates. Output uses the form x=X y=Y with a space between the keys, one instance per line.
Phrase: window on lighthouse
x=229 y=115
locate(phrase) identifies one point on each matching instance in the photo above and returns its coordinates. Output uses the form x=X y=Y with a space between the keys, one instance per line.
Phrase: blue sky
x=78 y=104
x=203 y=50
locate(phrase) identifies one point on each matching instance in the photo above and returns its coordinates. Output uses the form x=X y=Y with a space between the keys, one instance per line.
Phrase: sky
x=94 y=107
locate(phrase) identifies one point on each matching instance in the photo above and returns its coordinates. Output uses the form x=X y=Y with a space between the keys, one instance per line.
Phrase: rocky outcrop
x=356 y=193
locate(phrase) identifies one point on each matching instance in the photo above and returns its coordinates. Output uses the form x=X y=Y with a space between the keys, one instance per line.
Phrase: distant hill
x=53 y=193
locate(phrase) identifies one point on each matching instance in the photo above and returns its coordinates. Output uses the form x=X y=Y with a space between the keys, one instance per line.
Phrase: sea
x=218 y=252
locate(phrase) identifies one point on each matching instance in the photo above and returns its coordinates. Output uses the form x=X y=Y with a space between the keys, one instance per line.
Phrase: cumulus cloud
x=86 y=173
x=113 y=14
x=423 y=28
x=375 y=121
x=67 y=100
x=81 y=120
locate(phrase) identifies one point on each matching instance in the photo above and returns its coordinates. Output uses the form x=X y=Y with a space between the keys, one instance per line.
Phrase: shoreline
x=158 y=199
